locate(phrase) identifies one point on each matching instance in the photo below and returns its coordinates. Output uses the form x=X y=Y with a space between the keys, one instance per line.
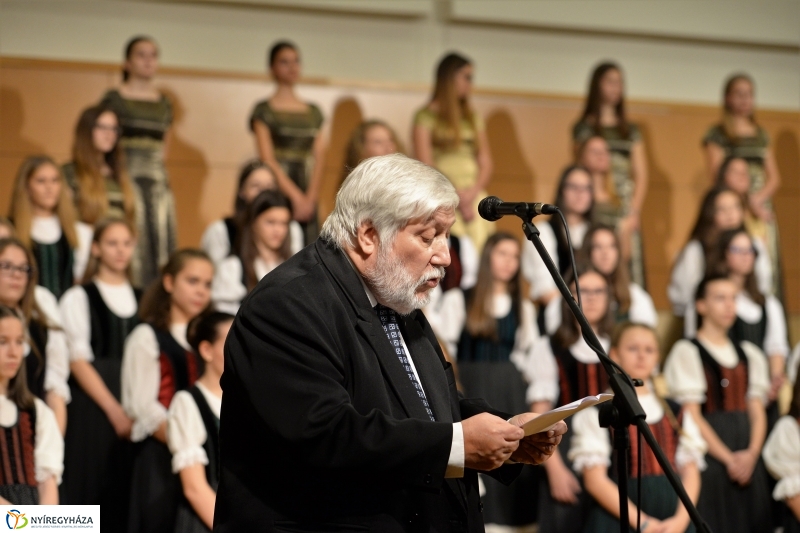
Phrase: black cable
x=639 y=481
x=597 y=349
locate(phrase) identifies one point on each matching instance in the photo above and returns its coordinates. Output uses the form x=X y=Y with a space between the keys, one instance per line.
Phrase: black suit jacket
x=321 y=429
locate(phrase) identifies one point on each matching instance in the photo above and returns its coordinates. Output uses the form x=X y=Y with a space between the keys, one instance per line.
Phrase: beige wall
x=679 y=53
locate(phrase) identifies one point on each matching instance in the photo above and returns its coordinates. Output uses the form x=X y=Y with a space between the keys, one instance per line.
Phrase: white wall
x=664 y=58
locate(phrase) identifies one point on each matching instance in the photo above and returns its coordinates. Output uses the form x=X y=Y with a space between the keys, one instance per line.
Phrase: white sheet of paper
x=547 y=420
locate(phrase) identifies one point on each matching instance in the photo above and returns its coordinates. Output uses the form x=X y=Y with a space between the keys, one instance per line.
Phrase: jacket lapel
x=366 y=321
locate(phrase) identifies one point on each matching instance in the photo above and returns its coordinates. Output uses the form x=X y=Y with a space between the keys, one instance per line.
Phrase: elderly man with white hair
x=339 y=411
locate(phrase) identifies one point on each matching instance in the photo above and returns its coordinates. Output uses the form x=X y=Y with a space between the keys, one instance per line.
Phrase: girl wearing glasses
x=98 y=316
x=575 y=198
x=44 y=217
x=27 y=424
x=562 y=369
x=97 y=174
x=264 y=244
x=46 y=352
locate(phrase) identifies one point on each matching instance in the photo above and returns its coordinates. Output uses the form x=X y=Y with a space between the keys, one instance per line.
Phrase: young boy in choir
x=45 y=220
x=97 y=318
x=635 y=347
x=562 y=369
x=157 y=362
x=27 y=426
x=221 y=236
x=575 y=198
x=721 y=210
x=492 y=354
x=193 y=427
x=782 y=457
x=264 y=244
x=46 y=351
x=629 y=301
x=724 y=385
x=759 y=317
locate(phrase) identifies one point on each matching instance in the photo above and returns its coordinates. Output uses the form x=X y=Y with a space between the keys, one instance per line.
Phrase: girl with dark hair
x=562 y=369
x=492 y=355
x=97 y=174
x=724 y=385
x=289 y=139
x=739 y=135
x=783 y=462
x=575 y=198
x=193 y=427
x=635 y=347
x=605 y=115
x=157 y=362
x=371 y=138
x=720 y=210
x=450 y=136
x=264 y=244
x=145 y=115
x=46 y=351
x=27 y=425
x=98 y=316
x=760 y=318
x=44 y=217
x=602 y=249
x=221 y=236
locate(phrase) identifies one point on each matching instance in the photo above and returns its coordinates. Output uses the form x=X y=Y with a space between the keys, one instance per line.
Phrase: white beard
x=393 y=285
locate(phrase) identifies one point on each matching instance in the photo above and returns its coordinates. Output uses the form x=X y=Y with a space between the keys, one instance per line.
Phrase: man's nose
x=441 y=256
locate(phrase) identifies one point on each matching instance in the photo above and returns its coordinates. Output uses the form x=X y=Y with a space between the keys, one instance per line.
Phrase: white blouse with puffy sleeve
x=186 y=432
x=48 y=451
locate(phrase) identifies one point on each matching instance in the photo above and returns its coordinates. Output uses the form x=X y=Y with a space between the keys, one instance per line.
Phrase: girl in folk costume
x=783 y=462
x=492 y=354
x=562 y=369
x=222 y=235
x=46 y=351
x=720 y=210
x=575 y=199
x=45 y=221
x=193 y=427
x=156 y=363
x=635 y=347
x=760 y=318
x=264 y=244
x=97 y=174
x=98 y=316
x=724 y=386
x=31 y=447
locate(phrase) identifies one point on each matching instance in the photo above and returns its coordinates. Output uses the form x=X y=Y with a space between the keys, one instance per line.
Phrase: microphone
x=493 y=208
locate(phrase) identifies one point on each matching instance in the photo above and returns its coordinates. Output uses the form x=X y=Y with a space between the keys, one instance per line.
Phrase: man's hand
x=537 y=448
x=489 y=441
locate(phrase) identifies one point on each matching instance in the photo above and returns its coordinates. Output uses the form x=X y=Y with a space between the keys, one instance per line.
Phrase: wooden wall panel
x=528 y=134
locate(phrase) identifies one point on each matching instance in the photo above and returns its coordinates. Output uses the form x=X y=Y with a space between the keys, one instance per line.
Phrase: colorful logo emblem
x=16 y=519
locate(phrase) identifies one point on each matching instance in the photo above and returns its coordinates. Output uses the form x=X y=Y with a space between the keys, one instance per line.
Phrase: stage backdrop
x=529 y=136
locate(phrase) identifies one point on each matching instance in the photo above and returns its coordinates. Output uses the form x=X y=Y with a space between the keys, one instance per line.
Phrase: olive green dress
x=293 y=135
x=144 y=126
x=621 y=187
x=116 y=200
x=753 y=150
x=460 y=165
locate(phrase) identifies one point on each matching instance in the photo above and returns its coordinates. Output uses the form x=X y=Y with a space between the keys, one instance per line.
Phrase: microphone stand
x=626 y=409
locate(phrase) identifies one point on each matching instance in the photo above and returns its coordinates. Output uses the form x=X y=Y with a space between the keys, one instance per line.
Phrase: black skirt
x=725 y=505
x=659 y=500
x=503 y=387
x=20 y=494
x=97 y=464
x=155 y=490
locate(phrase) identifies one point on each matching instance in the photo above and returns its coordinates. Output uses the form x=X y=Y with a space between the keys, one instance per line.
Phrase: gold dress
x=460 y=165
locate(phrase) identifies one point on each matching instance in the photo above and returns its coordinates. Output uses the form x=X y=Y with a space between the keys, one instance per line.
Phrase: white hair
x=388 y=192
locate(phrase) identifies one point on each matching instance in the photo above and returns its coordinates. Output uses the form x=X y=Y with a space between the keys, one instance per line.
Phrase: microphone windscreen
x=486 y=208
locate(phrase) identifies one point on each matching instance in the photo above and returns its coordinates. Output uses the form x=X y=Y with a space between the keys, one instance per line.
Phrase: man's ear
x=367 y=240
